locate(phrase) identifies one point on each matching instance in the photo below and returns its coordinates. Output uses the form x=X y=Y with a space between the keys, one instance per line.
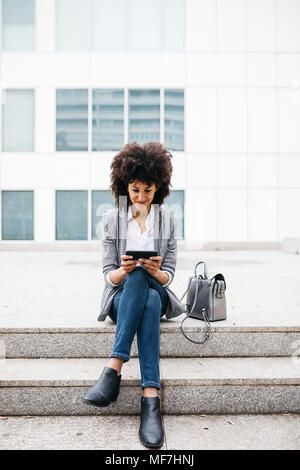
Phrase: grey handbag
x=205 y=300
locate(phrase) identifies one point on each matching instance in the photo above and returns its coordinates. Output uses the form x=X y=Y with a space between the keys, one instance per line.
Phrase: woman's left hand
x=151 y=264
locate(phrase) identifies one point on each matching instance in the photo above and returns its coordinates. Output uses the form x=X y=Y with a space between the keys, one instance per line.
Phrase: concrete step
x=194 y=432
x=80 y=342
x=189 y=386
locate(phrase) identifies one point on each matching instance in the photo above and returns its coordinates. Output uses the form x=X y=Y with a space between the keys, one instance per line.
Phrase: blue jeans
x=138 y=307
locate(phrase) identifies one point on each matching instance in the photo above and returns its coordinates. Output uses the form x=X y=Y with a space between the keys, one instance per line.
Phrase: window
x=174 y=119
x=109 y=24
x=144 y=115
x=73 y=25
x=102 y=201
x=108 y=119
x=18 y=31
x=18 y=121
x=145 y=25
x=120 y=25
x=71 y=215
x=175 y=202
x=72 y=120
x=173 y=32
x=17 y=215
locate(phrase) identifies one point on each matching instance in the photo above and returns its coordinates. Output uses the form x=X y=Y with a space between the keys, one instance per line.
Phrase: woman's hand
x=128 y=264
x=152 y=264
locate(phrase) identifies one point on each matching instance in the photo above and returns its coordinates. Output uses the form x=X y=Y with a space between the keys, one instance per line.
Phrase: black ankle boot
x=151 y=429
x=105 y=390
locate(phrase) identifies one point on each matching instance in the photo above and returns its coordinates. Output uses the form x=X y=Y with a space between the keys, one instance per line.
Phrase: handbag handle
x=204 y=269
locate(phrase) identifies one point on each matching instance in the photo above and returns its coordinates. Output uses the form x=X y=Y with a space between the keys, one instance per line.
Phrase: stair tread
x=232 y=432
x=174 y=371
x=166 y=326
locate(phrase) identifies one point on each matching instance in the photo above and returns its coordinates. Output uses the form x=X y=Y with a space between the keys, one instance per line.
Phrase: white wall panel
x=262 y=121
x=262 y=214
x=231 y=25
x=261 y=25
x=200 y=120
x=100 y=169
x=289 y=210
x=137 y=70
x=232 y=122
x=232 y=171
x=288 y=121
x=45 y=69
x=202 y=171
x=217 y=70
x=45 y=25
x=200 y=215
x=289 y=71
x=44 y=215
x=261 y=70
x=288 y=25
x=19 y=170
x=232 y=215
x=262 y=171
x=45 y=120
x=289 y=171
x=179 y=162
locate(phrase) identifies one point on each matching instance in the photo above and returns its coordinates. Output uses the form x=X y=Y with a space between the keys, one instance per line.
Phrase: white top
x=138 y=241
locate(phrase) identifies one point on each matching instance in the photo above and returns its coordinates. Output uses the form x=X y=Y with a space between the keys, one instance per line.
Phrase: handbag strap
x=207 y=329
x=204 y=314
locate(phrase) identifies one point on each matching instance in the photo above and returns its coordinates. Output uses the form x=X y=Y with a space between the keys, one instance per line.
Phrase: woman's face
x=141 y=195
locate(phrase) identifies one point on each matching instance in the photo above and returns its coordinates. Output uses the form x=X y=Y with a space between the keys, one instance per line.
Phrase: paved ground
x=63 y=289
x=226 y=432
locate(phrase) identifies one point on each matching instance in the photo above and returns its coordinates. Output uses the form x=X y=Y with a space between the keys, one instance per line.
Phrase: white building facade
x=216 y=81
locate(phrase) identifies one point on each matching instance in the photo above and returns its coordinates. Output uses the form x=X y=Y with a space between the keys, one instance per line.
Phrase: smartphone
x=141 y=254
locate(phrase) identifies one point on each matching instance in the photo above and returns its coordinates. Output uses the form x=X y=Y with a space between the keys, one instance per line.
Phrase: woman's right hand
x=128 y=264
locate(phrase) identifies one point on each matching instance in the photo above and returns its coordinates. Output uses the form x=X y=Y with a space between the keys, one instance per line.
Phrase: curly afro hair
x=149 y=163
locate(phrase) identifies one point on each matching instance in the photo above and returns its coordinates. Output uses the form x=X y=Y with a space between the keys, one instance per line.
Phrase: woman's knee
x=137 y=273
x=153 y=300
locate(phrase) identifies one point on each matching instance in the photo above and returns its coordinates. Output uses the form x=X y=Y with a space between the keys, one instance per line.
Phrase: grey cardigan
x=114 y=236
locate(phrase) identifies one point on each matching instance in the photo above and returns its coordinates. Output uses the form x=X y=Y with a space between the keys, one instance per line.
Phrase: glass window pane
x=108 y=119
x=17 y=215
x=18 y=121
x=71 y=215
x=175 y=202
x=108 y=13
x=73 y=25
x=145 y=25
x=144 y=115
x=173 y=25
x=102 y=201
x=174 y=119
x=18 y=18
x=72 y=120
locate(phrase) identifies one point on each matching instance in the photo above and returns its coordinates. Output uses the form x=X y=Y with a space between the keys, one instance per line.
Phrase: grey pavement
x=59 y=289
x=190 y=432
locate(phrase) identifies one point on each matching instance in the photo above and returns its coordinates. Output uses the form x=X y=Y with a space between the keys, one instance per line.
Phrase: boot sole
x=152 y=446
x=88 y=402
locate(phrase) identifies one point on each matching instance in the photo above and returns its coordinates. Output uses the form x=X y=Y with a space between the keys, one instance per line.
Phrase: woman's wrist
x=118 y=275
x=161 y=276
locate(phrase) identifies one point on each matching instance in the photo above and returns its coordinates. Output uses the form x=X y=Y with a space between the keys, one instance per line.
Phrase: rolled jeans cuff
x=120 y=356
x=151 y=384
